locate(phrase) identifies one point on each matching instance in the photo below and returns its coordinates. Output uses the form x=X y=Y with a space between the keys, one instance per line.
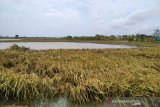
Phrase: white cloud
x=63 y=13
x=138 y=21
x=78 y=17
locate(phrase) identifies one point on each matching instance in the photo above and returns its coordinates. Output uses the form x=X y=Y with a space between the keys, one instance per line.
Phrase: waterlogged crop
x=80 y=75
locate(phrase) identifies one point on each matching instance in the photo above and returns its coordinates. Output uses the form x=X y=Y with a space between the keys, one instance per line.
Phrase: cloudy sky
x=78 y=17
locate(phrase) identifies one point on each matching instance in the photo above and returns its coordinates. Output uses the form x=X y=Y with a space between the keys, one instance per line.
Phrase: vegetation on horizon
x=86 y=75
x=89 y=40
x=133 y=40
x=138 y=37
x=135 y=37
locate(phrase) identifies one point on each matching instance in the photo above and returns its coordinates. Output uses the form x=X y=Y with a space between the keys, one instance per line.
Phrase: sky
x=57 y=18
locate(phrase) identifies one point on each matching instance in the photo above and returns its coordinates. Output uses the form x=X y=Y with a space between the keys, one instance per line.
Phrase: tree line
x=138 y=37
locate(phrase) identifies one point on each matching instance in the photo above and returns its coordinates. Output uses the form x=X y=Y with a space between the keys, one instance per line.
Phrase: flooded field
x=61 y=45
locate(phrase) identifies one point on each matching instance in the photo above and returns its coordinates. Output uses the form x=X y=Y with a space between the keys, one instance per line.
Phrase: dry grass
x=80 y=75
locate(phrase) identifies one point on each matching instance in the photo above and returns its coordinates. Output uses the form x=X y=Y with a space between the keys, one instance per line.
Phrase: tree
x=16 y=36
x=69 y=37
x=112 y=37
x=156 y=33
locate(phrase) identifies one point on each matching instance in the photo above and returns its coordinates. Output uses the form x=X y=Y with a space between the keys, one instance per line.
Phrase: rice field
x=83 y=76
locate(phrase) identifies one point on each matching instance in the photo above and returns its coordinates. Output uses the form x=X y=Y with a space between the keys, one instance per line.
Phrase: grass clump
x=8 y=64
x=86 y=75
x=18 y=48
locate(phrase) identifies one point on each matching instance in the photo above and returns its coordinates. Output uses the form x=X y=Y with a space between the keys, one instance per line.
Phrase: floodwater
x=63 y=102
x=61 y=45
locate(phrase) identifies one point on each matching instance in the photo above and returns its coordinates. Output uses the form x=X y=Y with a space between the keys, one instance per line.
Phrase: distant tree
x=16 y=36
x=69 y=37
x=140 y=37
x=97 y=35
x=131 y=38
x=112 y=37
x=156 y=33
x=124 y=37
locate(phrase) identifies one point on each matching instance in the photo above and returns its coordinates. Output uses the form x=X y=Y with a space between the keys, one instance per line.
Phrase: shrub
x=19 y=48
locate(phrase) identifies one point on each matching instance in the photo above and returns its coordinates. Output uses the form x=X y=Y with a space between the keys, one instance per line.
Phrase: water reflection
x=63 y=102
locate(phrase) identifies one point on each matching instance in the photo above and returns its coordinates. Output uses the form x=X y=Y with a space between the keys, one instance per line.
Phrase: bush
x=19 y=48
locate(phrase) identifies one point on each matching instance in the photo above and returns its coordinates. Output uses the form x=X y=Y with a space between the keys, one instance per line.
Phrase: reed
x=82 y=76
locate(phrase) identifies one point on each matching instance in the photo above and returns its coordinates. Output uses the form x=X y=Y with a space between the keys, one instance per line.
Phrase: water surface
x=63 y=102
x=61 y=45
